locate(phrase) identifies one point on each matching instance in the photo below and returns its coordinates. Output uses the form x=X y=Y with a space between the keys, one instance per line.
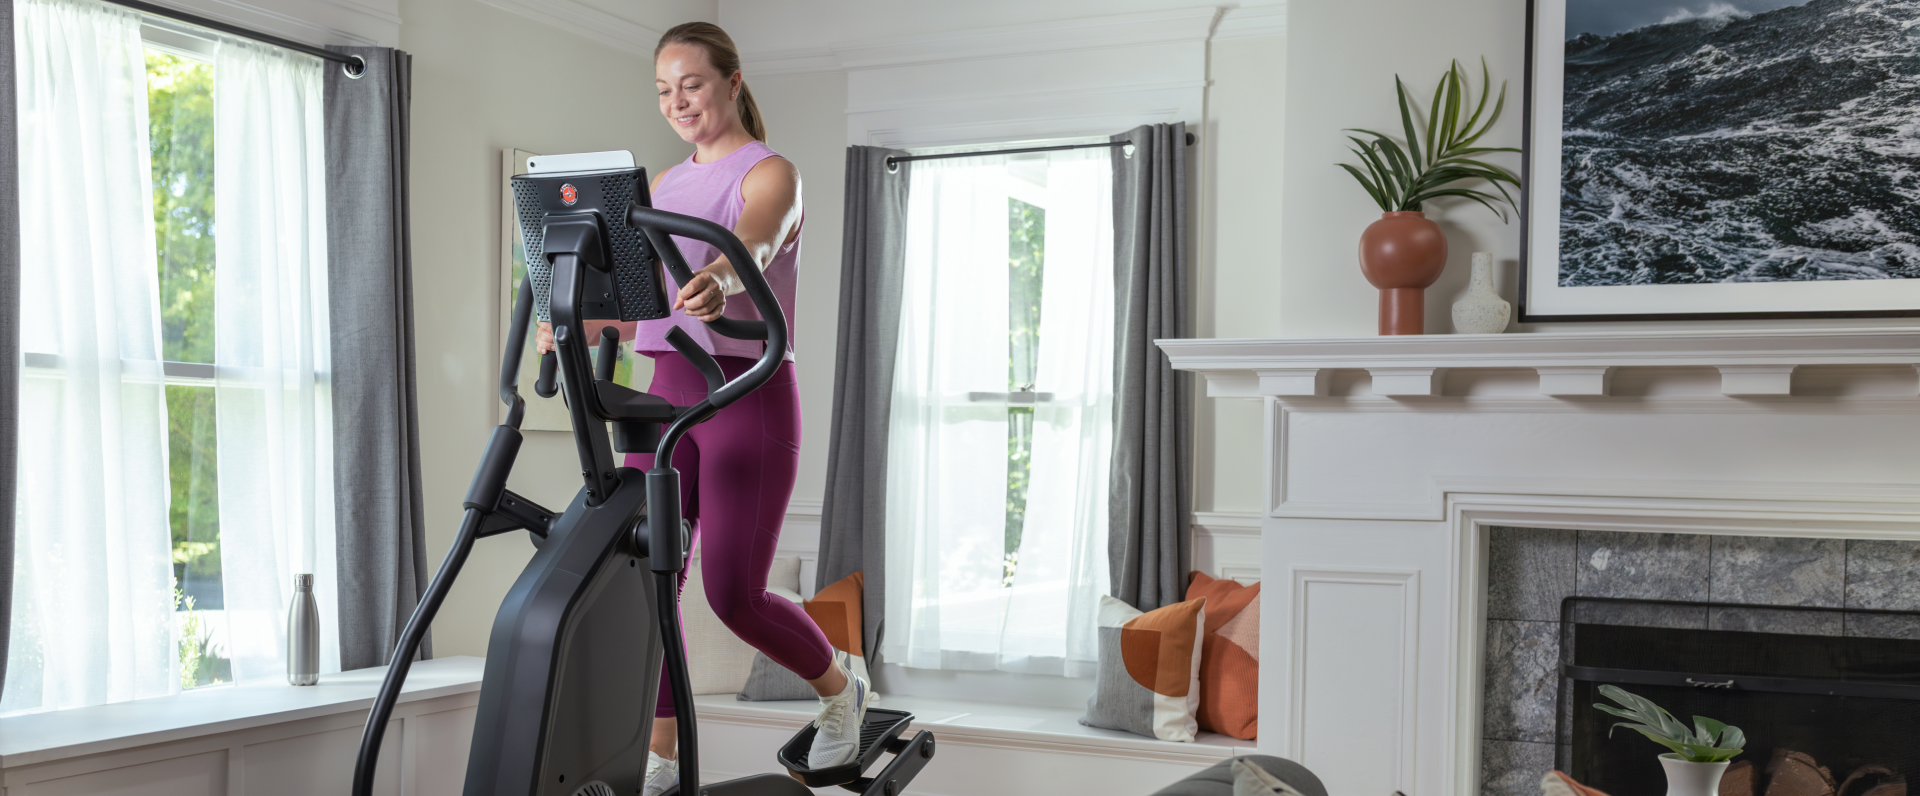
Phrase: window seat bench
x=253 y=737
x=984 y=747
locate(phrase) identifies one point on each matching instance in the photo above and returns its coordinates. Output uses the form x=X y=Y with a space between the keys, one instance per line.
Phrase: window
x=176 y=433
x=1001 y=428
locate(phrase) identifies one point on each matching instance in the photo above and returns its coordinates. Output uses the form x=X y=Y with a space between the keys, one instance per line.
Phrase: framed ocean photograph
x=1704 y=159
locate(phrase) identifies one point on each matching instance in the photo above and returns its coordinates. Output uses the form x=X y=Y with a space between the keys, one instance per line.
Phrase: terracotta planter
x=1402 y=254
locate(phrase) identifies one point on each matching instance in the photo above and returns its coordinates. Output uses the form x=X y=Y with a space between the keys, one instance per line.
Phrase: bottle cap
x=303 y=581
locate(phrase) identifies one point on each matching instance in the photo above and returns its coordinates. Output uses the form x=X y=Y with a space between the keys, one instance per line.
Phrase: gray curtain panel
x=1149 y=543
x=853 y=519
x=9 y=321
x=376 y=429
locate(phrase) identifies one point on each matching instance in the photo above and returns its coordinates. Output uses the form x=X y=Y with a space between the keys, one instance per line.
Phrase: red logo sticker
x=568 y=194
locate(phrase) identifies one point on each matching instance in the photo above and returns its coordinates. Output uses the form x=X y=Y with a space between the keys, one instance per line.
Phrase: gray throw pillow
x=771 y=682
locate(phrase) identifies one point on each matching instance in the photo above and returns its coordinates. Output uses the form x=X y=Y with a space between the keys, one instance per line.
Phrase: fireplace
x=1824 y=709
x=1569 y=610
x=1767 y=467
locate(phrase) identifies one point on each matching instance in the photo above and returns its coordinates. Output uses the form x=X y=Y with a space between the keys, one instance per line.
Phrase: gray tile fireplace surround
x=1530 y=571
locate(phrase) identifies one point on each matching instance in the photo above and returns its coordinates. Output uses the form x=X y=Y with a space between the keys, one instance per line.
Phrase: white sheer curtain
x=270 y=354
x=93 y=606
x=950 y=603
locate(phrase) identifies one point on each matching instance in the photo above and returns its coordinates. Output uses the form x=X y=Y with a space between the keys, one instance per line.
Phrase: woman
x=738 y=468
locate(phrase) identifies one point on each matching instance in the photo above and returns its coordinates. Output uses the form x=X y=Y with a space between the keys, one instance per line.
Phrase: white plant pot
x=1692 y=779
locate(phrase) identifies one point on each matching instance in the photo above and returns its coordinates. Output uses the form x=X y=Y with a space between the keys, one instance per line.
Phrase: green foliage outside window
x=180 y=111
x=180 y=132
x=1026 y=260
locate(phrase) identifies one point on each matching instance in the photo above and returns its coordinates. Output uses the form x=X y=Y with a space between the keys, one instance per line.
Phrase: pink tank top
x=712 y=191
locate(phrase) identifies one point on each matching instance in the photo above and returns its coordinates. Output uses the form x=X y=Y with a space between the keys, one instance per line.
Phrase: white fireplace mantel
x=1388 y=459
x=1568 y=365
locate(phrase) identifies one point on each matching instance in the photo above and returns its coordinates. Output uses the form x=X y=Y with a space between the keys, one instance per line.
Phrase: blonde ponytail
x=725 y=57
x=750 y=114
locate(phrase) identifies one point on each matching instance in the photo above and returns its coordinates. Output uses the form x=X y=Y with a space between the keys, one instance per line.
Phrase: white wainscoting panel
x=191 y=775
x=254 y=738
x=1355 y=662
x=1226 y=544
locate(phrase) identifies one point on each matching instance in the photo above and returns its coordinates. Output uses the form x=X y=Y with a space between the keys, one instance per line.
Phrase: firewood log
x=1742 y=779
x=1792 y=773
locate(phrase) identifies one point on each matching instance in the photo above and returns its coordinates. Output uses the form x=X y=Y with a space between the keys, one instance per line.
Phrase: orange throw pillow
x=836 y=609
x=1230 y=656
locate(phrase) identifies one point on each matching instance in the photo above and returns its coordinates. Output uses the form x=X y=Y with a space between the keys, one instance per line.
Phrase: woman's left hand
x=705 y=295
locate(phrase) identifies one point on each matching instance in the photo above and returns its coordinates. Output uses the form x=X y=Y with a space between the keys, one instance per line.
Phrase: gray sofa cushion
x=1217 y=779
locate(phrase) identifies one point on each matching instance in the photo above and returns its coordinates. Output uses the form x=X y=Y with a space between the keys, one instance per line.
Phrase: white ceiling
x=771 y=26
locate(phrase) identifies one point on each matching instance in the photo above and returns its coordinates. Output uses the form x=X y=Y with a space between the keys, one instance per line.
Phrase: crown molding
x=1067 y=35
x=586 y=22
x=1252 y=22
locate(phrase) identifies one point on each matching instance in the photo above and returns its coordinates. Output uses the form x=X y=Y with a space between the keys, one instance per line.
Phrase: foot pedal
x=879 y=733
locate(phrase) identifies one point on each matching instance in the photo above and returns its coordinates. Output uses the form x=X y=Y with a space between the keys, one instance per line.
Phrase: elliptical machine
x=568 y=693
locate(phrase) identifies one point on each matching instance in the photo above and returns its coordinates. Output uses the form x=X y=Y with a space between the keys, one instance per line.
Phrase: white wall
x=484 y=80
x=1237 y=281
x=805 y=125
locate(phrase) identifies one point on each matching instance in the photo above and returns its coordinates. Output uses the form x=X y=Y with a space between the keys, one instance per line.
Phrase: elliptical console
x=567 y=699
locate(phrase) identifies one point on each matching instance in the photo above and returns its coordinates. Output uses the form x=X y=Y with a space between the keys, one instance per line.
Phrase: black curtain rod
x=353 y=65
x=893 y=161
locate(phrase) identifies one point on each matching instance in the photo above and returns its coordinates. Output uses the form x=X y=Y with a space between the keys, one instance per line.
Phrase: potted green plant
x=1700 y=752
x=1404 y=252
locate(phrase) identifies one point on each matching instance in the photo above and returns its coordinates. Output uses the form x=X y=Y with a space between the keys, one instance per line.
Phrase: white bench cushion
x=718 y=660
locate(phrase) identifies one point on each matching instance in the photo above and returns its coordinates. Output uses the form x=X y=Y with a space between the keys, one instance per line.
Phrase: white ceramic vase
x=1482 y=311
x=1692 y=779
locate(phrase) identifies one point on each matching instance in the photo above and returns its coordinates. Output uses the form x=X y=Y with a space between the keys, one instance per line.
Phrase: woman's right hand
x=543 y=341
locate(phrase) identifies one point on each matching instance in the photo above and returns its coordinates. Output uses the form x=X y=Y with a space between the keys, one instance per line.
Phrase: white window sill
x=56 y=735
x=987 y=724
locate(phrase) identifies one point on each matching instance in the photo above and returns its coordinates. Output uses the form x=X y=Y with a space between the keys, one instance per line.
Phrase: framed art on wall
x=1709 y=159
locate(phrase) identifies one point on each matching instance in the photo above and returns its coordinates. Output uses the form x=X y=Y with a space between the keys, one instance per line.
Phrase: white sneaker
x=662 y=775
x=837 y=741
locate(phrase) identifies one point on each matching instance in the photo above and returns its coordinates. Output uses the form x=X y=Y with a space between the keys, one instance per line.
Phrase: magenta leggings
x=736 y=476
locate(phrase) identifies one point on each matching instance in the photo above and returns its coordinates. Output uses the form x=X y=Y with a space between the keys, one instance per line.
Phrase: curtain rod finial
x=1191 y=138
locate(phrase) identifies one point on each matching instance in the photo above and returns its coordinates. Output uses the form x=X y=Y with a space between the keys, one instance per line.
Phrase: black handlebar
x=547 y=387
x=666 y=548
x=510 y=361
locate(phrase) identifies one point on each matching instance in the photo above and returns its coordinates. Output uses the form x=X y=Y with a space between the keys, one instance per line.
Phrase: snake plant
x=1429 y=167
x=1707 y=741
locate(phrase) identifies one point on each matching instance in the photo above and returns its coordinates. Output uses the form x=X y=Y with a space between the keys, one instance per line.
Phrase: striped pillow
x=1149 y=677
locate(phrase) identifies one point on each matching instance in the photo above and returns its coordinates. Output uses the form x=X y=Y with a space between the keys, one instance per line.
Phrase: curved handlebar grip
x=546 y=386
x=658 y=224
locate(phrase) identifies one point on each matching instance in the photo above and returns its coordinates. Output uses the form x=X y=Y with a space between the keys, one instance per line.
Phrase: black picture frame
x=1527 y=312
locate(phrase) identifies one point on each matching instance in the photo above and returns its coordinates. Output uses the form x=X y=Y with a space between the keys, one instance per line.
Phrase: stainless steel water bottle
x=303 y=634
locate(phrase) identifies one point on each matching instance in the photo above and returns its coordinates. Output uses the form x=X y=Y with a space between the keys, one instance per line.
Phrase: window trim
x=192 y=374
